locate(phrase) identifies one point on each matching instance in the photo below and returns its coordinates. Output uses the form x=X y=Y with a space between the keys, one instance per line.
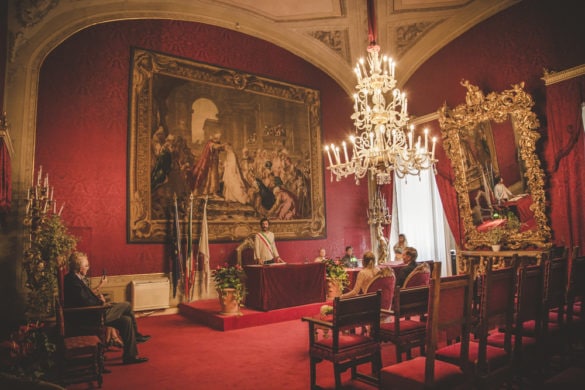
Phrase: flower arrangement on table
x=336 y=273
x=497 y=236
x=230 y=276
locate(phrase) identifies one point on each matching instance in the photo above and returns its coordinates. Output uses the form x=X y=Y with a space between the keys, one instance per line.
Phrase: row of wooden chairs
x=520 y=315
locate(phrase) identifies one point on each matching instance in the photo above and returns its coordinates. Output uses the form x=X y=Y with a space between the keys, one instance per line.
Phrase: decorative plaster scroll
x=31 y=12
x=337 y=40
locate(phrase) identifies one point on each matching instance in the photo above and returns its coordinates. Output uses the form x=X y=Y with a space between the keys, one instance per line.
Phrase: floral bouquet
x=336 y=272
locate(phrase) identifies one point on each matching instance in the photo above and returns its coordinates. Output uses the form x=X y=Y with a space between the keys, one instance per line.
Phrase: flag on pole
x=189 y=272
x=177 y=266
x=204 y=248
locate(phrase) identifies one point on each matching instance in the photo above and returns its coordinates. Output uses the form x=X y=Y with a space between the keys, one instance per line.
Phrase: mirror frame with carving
x=515 y=105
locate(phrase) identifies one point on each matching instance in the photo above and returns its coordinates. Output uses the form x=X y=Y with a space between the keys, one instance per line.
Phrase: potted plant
x=337 y=278
x=230 y=284
x=496 y=238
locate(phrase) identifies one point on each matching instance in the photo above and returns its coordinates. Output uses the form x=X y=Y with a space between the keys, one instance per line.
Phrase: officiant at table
x=265 y=251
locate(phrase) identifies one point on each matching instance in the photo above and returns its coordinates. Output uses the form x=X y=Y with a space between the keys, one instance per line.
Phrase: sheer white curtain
x=417 y=212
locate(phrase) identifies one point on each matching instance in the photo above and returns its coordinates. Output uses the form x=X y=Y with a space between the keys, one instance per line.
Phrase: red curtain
x=5 y=178
x=564 y=156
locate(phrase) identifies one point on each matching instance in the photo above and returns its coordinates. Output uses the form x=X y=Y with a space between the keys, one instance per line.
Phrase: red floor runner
x=185 y=355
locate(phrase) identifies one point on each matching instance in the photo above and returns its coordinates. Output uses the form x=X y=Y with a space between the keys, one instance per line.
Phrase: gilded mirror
x=491 y=142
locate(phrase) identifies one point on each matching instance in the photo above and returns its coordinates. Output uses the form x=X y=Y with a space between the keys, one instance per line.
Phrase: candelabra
x=381 y=144
x=378 y=212
x=40 y=202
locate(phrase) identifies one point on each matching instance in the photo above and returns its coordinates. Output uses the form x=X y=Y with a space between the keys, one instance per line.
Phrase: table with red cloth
x=277 y=286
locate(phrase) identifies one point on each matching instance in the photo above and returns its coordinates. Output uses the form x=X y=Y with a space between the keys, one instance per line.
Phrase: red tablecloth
x=277 y=286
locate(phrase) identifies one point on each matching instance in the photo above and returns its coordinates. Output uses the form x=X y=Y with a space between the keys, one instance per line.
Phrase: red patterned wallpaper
x=82 y=135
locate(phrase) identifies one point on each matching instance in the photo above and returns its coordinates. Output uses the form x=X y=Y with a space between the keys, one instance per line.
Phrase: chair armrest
x=83 y=309
x=316 y=321
x=387 y=312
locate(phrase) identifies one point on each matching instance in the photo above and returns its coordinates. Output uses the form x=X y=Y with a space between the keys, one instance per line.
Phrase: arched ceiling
x=331 y=34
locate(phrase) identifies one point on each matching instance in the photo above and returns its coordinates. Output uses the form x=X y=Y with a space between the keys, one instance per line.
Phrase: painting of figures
x=248 y=145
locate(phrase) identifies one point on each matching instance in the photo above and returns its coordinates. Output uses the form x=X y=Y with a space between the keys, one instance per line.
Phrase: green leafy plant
x=228 y=276
x=28 y=353
x=50 y=244
x=497 y=236
x=336 y=272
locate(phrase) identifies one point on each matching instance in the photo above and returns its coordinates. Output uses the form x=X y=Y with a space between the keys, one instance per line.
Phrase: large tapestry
x=248 y=144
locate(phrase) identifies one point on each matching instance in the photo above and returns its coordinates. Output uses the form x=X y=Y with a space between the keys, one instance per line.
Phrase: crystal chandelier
x=383 y=143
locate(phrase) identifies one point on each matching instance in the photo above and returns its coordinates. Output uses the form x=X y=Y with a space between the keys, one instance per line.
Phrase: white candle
x=329 y=155
x=52 y=191
x=40 y=175
x=345 y=151
x=410 y=139
x=433 y=153
x=355 y=102
x=426 y=140
x=46 y=184
x=61 y=209
x=54 y=207
x=336 y=153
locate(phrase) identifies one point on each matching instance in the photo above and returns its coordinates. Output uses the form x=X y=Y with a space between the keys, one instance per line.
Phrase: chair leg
x=337 y=371
x=398 y=353
x=313 y=365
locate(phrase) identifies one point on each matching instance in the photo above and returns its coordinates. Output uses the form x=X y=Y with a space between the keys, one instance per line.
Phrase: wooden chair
x=245 y=251
x=386 y=284
x=449 y=307
x=81 y=358
x=420 y=276
x=555 y=290
x=575 y=300
x=492 y=365
x=406 y=328
x=345 y=348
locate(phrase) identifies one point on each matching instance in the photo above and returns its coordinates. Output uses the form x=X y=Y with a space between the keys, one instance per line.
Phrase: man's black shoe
x=135 y=360
x=142 y=338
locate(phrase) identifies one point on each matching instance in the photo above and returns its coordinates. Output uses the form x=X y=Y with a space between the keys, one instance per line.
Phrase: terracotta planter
x=496 y=248
x=227 y=300
x=334 y=289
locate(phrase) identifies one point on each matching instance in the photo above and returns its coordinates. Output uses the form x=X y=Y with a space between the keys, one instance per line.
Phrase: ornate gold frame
x=253 y=117
x=514 y=105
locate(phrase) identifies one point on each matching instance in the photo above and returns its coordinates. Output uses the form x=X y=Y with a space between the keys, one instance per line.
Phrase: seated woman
x=365 y=276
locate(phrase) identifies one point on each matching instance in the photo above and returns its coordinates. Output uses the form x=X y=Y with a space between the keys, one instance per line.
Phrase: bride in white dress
x=234 y=189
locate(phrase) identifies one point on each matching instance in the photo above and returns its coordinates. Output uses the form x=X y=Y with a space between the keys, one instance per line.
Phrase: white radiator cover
x=150 y=294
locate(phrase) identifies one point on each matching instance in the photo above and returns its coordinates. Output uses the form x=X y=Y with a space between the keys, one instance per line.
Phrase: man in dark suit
x=409 y=256
x=77 y=293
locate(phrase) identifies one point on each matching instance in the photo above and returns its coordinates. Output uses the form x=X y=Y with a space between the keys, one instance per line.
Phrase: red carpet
x=185 y=355
x=206 y=313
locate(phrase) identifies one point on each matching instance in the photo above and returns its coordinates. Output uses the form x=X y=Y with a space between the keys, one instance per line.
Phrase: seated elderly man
x=409 y=256
x=77 y=293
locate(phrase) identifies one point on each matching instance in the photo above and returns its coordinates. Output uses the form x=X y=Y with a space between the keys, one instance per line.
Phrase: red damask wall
x=82 y=135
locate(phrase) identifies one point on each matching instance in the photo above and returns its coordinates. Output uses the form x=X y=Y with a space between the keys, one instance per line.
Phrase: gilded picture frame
x=514 y=106
x=247 y=146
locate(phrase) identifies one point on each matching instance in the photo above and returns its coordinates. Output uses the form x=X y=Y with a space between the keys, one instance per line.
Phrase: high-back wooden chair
x=80 y=358
x=491 y=365
x=348 y=345
x=386 y=284
x=449 y=307
x=420 y=276
x=406 y=329
x=245 y=251
x=576 y=299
